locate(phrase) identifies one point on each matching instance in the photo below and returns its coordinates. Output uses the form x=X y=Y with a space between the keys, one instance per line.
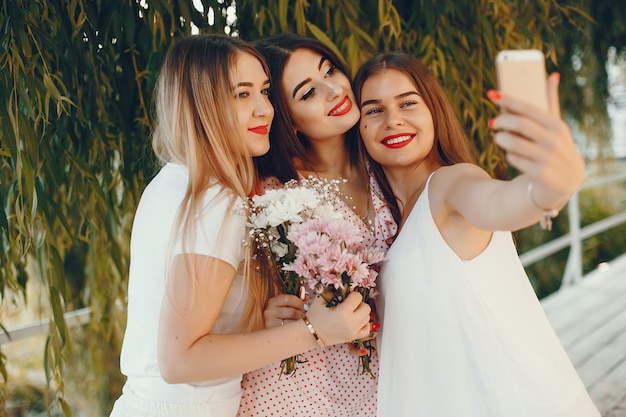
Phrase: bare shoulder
x=454 y=185
x=452 y=177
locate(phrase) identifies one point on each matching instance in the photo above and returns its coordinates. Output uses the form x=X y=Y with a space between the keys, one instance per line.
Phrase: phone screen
x=522 y=74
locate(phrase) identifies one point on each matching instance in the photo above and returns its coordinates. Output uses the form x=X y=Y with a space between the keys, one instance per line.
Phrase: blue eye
x=373 y=111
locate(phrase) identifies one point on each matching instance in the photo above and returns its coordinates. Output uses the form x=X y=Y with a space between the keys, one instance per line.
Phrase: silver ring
x=282 y=321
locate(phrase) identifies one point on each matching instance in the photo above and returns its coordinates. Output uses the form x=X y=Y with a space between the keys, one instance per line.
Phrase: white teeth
x=341 y=108
x=397 y=140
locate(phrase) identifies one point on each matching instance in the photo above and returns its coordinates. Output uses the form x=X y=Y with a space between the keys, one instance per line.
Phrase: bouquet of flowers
x=333 y=263
x=270 y=218
x=310 y=244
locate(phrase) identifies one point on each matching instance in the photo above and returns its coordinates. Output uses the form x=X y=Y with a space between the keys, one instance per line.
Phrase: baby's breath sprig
x=271 y=215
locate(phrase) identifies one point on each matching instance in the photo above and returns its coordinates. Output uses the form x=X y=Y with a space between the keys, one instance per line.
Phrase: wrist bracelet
x=309 y=326
x=548 y=215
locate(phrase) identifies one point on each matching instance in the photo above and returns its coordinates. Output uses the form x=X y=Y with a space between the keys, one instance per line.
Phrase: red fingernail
x=372 y=316
x=490 y=123
x=494 y=95
x=363 y=352
x=375 y=326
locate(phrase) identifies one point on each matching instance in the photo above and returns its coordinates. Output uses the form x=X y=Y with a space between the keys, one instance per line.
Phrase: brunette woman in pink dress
x=314 y=134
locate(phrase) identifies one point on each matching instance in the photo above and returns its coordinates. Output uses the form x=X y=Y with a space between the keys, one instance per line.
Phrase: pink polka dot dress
x=327 y=383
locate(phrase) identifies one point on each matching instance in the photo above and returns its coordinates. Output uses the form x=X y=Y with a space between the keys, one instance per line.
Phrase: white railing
x=573 y=270
x=574 y=267
x=72 y=319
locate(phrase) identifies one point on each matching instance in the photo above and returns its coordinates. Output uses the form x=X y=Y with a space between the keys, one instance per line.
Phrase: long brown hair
x=287 y=145
x=451 y=144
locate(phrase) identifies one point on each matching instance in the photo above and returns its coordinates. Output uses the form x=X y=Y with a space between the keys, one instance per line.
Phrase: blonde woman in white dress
x=187 y=340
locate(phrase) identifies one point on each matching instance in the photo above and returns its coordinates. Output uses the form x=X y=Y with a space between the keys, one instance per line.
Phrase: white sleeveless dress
x=467 y=338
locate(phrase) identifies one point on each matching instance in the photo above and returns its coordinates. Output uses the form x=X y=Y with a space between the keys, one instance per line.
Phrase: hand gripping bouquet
x=333 y=262
x=270 y=218
x=309 y=244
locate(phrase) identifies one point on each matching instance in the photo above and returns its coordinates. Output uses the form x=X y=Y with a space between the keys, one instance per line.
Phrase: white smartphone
x=522 y=73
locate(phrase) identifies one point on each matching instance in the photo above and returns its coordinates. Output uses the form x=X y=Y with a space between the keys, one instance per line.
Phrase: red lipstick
x=259 y=130
x=399 y=140
x=342 y=108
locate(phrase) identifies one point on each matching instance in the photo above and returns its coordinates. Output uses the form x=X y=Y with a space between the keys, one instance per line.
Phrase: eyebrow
x=299 y=86
x=248 y=84
x=375 y=101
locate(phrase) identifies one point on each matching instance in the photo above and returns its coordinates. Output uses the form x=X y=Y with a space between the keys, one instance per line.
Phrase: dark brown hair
x=285 y=144
x=451 y=144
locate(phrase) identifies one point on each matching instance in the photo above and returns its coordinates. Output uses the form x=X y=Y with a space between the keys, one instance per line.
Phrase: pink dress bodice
x=328 y=383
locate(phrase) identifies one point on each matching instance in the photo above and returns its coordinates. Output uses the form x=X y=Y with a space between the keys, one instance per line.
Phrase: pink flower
x=372 y=255
x=331 y=259
x=329 y=278
x=357 y=270
x=344 y=231
x=313 y=245
x=302 y=266
x=308 y=241
x=367 y=280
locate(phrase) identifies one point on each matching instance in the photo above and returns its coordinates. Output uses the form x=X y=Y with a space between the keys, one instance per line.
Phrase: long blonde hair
x=196 y=126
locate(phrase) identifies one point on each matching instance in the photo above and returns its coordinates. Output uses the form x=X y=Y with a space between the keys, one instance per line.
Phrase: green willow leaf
x=283 y=8
x=77 y=76
x=320 y=35
x=299 y=14
x=4 y=223
x=57 y=312
x=44 y=201
x=356 y=30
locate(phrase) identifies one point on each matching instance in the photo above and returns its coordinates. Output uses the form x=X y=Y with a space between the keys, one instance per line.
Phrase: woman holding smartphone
x=463 y=333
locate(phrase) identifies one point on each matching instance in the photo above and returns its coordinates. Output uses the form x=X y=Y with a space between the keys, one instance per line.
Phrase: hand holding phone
x=536 y=140
x=521 y=74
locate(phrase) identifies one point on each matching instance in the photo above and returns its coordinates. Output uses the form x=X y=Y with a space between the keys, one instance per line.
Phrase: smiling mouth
x=397 y=141
x=259 y=130
x=342 y=108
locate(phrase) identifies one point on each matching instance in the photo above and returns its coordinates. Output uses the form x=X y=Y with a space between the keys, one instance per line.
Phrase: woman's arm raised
x=541 y=146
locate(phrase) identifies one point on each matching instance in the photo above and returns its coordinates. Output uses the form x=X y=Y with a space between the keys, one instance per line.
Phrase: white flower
x=267 y=198
x=279 y=249
x=306 y=198
x=280 y=212
x=258 y=220
x=327 y=210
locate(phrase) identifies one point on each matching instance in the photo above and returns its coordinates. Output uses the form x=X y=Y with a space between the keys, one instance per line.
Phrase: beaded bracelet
x=548 y=215
x=309 y=326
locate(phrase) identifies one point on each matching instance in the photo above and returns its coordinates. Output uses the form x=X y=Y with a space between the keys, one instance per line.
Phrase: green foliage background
x=75 y=114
